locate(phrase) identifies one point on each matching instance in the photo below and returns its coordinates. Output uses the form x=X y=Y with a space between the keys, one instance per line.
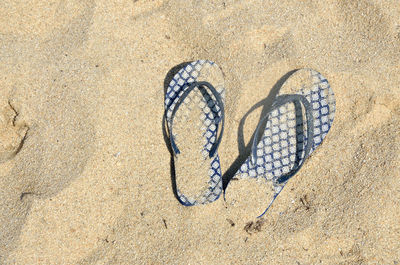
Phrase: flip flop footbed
x=282 y=146
x=195 y=128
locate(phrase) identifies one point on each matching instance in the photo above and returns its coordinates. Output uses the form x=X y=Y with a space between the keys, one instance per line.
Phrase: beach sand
x=84 y=169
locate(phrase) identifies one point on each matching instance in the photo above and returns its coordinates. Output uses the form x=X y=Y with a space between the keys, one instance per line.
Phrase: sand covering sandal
x=194 y=113
x=299 y=119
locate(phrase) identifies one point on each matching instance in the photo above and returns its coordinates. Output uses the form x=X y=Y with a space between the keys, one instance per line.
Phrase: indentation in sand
x=12 y=135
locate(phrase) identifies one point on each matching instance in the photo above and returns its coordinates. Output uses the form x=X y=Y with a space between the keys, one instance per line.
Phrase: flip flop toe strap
x=280 y=101
x=181 y=99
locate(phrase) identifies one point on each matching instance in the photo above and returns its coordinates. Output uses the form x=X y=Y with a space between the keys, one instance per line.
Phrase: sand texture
x=84 y=168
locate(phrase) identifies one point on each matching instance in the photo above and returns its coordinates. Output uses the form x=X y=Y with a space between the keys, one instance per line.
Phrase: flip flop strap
x=280 y=101
x=181 y=100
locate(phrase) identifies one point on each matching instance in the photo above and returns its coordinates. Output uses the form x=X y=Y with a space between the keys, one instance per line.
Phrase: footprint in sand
x=53 y=97
x=12 y=135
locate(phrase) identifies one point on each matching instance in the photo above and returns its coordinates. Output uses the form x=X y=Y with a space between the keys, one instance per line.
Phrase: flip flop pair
x=298 y=121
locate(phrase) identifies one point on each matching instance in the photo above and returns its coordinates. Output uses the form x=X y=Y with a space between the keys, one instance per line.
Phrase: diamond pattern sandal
x=299 y=120
x=194 y=113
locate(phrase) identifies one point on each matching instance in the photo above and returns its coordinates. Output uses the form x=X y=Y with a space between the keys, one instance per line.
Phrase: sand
x=84 y=169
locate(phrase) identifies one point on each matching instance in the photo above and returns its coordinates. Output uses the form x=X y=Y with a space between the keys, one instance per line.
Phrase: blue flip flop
x=300 y=118
x=198 y=85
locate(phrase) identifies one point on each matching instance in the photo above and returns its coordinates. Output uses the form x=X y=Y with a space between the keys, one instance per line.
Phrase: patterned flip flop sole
x=282 y=147
x=206 y=103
